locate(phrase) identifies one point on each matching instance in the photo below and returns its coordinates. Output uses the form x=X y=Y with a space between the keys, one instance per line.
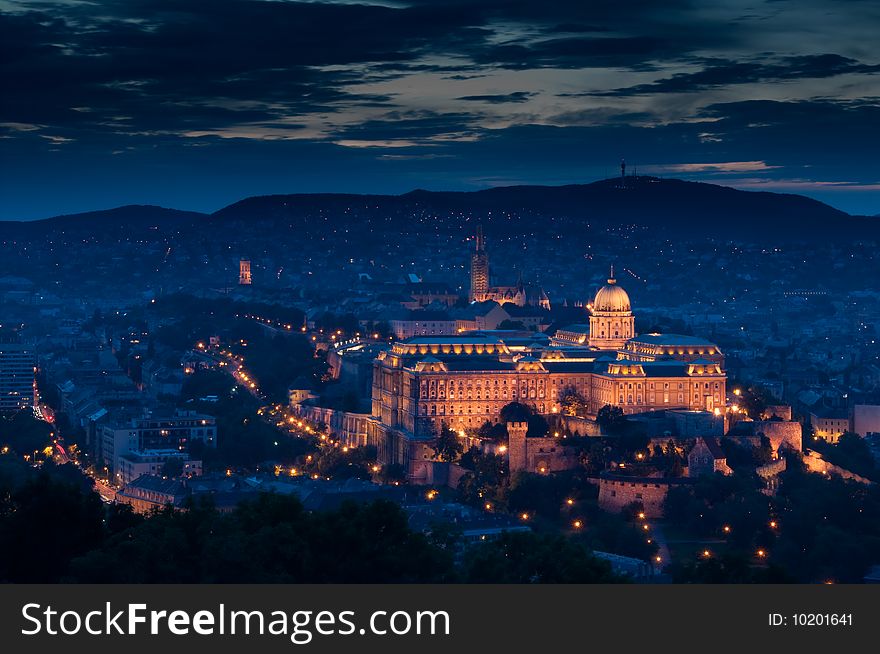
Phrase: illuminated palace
x=521 y=294
x=465 y=380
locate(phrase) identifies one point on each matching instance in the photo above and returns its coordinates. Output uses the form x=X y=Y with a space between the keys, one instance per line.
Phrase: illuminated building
x=611 y=318
x=163 y=433
x=244 y=272
x=520 y=294
x=465 y=380
x=17 y=368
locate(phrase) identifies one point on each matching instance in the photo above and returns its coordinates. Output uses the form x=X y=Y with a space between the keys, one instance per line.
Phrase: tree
x=447 y=447
x=173 y=467
x=392 y=473
x=611 y=419
x=573 y=403
x=527 y=558
x=44 y=523
x=497 y=433
x=515 y=412
x=23 y=433
x=538 y=426
x=268 y=539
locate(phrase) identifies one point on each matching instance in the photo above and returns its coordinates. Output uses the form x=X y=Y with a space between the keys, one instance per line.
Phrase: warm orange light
x=577 y=524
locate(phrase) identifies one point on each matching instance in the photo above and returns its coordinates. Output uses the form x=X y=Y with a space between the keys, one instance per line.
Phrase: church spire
x=611 y=279
x=481 y=245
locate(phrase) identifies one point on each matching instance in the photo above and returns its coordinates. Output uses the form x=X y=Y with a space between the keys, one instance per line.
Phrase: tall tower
x=479 y=269
x=244 y=272
x=517 y=446
x=612 y=322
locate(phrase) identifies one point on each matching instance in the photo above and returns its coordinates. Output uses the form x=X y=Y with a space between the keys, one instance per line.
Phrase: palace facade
x=465 y=380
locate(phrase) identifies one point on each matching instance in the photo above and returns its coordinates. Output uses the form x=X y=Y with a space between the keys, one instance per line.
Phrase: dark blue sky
x=195 y=104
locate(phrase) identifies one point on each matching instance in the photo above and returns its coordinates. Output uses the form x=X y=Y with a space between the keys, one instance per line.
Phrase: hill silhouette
x=669 y=207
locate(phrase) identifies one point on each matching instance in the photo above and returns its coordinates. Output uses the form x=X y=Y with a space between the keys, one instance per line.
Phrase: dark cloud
x=135 y=94
x=500 y=98
x=577 y=52
x=148 y=59
x=418 y=126
x=724 y=73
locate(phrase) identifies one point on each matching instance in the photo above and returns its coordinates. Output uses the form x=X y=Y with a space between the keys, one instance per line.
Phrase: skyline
x=196 y=106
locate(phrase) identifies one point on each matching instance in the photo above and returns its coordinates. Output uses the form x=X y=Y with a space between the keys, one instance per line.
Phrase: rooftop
x=671 y=339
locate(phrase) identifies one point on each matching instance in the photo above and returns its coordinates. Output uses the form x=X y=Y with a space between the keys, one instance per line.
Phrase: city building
x=244 y=272
x=706 y=458
x=829 y=424
x=17 y=370
x=175 y=432
x=422 y=323
x=520 y=294
x=612 y=322
x=150 y=492
x=465 y=380
x=156 y=462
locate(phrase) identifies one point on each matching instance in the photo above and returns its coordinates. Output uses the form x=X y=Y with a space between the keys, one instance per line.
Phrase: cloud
x=500 y=98
x=429 y=93
x=725 y=73
x=720 y=167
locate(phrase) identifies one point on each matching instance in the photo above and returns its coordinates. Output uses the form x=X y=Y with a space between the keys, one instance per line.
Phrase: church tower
x=479 y=269
x=612 y=322
x=244 y=272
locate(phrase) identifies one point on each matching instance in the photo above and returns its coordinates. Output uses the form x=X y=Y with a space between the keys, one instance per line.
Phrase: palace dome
x=611 y=297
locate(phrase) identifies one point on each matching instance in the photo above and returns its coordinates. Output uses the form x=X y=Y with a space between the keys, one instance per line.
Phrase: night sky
x=194 y=104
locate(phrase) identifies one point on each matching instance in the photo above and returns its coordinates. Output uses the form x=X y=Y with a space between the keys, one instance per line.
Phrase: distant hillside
x=137 y=217
x=668 y=207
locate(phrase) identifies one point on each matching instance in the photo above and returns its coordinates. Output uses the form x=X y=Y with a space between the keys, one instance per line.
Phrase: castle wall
x=536 y=455
x=781 y=433
x=616 y=492
x=583 y=426
x=815 y=463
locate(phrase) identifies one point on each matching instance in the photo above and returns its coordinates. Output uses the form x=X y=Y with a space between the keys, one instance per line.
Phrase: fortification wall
x=616 y=492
